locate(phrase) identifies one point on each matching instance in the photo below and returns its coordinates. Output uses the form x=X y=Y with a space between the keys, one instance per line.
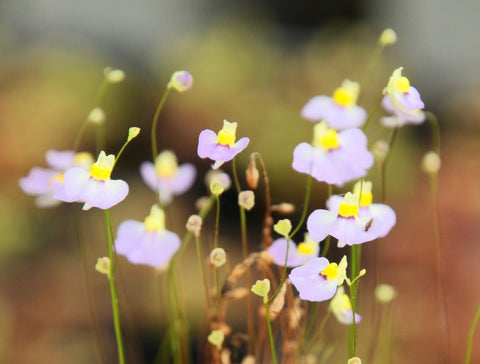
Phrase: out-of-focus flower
x=216 y=338
x=283 y=227
x=218 y=257
x=385 y=293
x=220 y=148
x=181 y=81
x=147 y=242
x=246 y=199
x=431 y=163
x=388 y=37
x=297 y=255
x=351 y=219
x=114 y=75
x=334 y=158
x=403 y=101
x=216 y=176
x=103 y=266
x=261 y=288
x=96 y=116
x=194 y=224
x=39 y=180
x=341 y=308
x=94 y=188
x=339 y=111
x=381 y=217
x=318 y=279
x=166 y=177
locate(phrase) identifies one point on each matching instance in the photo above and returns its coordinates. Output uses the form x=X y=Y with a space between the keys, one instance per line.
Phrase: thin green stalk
x=435 y=130
x=202 y=271
x=318 y=332
x=270 y=333
x=374 y=110
x=471 y=333
x=113 y=291
x=384 y=164
x=215 y=271
x=354 y=270
x=326 y=246
x=153 y=135
x=308 y=191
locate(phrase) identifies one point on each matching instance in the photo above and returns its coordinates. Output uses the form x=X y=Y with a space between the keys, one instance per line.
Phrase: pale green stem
x=319 y=330
x=326 y=246
x=471 y=333
x=202 y=272
x=354 y=269
x=270 y=333
x=374 y=110
x=153 y=135
x=215 y=271
x=372 y=62
x=113 y=291
x=305 y=205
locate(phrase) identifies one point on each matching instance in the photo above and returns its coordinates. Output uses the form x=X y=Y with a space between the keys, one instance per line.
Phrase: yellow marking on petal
x=58 y=177
x=325 y=138
x=166 y=164
x=83 y=158
x=156 y=220
x=345 y=303
x=227 y=135
x=397 y=83
x=347 y=94
x=102 y=168
x=330 y=272
x=366 y=195
x=349 y=206
x=403 y=84
x=306 y=248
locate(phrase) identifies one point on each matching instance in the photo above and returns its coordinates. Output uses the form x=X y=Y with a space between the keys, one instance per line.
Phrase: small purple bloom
x=297 y=255
x=352 y=220
x=148 y=242
x=334 y=158
x=318 y=279
x=339 y=111
x=94 y=188
x=181 y=81
x=403 y=101
x=39 y=181
x=167 y=177
x=220 y=148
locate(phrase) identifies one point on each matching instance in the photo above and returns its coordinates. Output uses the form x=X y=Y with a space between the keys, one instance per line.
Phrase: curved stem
x=374 y=110
x=308 y=191
x=113 y=291
x=153 y=135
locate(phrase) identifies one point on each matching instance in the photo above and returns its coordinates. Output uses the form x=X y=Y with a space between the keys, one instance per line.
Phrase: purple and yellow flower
x=220 y=148
x=341 y=307
x=318 y=279
x=39 y=181
x=147 y=242
x=339 y=111
x=95 y=187
x=334 y=158
x=402 y=101
x=166 y=177
x=352 y=219
x=297 y=255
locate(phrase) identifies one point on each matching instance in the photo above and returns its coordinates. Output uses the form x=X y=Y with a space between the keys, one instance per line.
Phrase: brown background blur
x=258 y=65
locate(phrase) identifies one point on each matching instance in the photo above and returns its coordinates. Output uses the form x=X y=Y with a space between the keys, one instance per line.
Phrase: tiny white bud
x=385 y=293
x=114 y=76
x=246 y=199
x=380 y=150
x=194 y=224
x=103 y=266
x=354 y=360
x=133 y=132
x=218 y=257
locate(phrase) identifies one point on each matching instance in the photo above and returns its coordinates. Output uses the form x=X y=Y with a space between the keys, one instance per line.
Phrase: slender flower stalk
x=326 y=246
x=354 y=272
x=270 y=333
x=471 y=333
x=113 y=291
x=153 y=135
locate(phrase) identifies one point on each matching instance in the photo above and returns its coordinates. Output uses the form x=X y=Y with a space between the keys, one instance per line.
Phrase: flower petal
x=320 y=223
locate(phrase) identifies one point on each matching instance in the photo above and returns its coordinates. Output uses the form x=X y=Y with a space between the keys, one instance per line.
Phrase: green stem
x=270 y=333
x=326 y=246
x=354 y=269
x=384 y=164
x=435 y=130
x=202 y=272
x=308 y=191
x=471 y=332
x=155 y=122
x=374 y=110
x=113 y=291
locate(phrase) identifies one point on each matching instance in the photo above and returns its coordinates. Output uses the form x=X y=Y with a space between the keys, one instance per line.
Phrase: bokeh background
x=256 y=63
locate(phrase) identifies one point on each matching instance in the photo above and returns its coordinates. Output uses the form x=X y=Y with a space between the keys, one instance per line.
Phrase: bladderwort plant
x=288 y=326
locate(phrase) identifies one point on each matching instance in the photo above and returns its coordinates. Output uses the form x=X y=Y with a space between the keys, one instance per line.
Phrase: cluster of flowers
x=337 y=155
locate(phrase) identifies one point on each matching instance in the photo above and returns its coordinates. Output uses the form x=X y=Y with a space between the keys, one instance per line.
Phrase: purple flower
x=148 y=242
x=318 y=279
x=297 y=255
x=403 y=101
x=339 y=111
x=222 y=147
x=352 y=220
x=39 y=181
x=334 y=158
x=94 y=188
x=167 y=177
x=341 y=308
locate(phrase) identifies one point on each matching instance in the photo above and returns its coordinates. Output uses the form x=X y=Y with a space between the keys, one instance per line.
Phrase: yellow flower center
x=58 y=177
x=99 y=172
x=156 y=220
x=226 y=136
x=403 y=84
x=325 y=138
x=364 y=188
x=166 y=164
x=349 y=206
x=366 y=199
x=344 y=97
x=330 y=272
x=102 y=168
x=306 y=248
x=83 y=159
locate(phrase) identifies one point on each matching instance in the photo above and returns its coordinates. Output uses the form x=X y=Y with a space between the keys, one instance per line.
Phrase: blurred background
x=256 y=63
